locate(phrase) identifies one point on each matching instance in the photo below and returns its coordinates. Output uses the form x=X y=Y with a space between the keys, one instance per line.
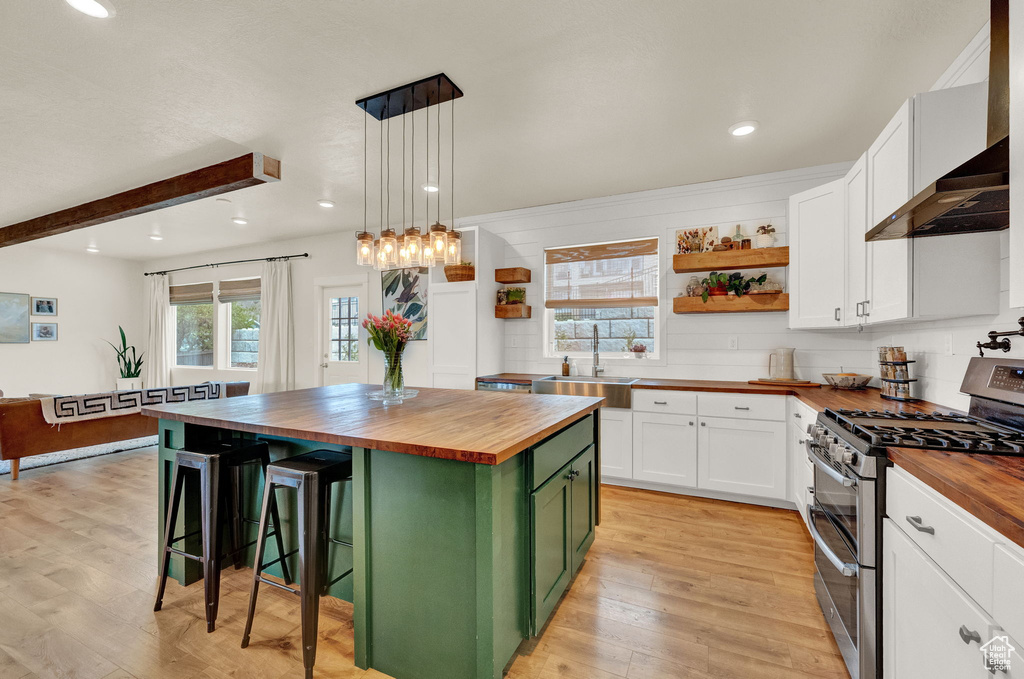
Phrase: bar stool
x=311 y=475
x=217 y=491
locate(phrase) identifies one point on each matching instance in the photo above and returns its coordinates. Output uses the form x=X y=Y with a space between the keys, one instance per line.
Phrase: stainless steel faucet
x=598 y=368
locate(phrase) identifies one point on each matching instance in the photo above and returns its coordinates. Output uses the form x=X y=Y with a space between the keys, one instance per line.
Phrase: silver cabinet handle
x=969 y=635
x=661 y=403
x=798 y=416
x=915 y=521
x=802 y=442
x=865 y=303
x=742 y=407
x=837 y=315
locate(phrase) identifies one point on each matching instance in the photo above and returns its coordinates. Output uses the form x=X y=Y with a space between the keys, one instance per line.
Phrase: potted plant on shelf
x=465 y=271
x=638 y=349
x=765 y=237
x=389 y=334
x=129 y=365
x=516 y=295
x=720 y=284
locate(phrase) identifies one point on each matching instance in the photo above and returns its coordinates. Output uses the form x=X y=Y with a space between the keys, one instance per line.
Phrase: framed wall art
x=14 y=308
x=405 y=293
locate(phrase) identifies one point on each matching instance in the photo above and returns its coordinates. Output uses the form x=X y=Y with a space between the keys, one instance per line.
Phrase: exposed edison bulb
x=389 y=245
x=364 y=249
x=380 y=259
x=414 y=246
x=453 y=248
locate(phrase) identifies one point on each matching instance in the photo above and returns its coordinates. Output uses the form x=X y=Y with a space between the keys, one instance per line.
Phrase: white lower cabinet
x=617 y=443
x=742 y=456
x=665 y=448
x=931 y=628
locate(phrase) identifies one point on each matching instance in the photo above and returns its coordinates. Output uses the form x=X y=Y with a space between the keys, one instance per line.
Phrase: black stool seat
x=217 y=491
x=311 y=475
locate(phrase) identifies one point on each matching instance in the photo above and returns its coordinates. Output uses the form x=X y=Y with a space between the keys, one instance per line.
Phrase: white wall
x=330 y=256
x=694 y=345
x=95 y=294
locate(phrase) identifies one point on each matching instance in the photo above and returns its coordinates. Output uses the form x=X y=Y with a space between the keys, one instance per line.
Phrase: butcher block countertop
x=470 y=426
x=991 y=487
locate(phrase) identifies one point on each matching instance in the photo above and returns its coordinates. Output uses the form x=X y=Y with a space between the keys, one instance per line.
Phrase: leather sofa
x=24 y=432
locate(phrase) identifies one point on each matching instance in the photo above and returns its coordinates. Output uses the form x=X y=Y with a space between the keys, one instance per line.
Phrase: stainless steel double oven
x=844 y=520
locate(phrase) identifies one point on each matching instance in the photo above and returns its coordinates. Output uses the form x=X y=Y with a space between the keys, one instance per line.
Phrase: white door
x=855 y=201
x=665 y=448
x=931 y=628
x=742 y=456
x=890 y=178
x=817 y=248
x=343 y=340
x=617 y=443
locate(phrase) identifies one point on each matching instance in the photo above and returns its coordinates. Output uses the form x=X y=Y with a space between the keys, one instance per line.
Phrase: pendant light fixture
x=453 y=253
x=410 y=247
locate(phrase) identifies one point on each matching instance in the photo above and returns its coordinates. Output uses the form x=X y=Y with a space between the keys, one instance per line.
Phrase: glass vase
x=394 y=380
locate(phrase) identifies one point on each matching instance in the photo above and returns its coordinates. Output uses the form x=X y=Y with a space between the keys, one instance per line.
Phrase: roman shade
x=198 y=293
x=602 y=275
x=245 y=290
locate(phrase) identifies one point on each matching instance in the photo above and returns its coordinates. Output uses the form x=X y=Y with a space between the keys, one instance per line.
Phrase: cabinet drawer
x=946 y=533
x=1008 y=584
x=557 y=451
x=665 y=401
x=743 y=406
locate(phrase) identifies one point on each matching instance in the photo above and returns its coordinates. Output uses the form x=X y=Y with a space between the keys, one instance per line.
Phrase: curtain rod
x=237 y=261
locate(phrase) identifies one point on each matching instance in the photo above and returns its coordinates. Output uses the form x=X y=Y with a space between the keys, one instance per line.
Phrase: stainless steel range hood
x=975 y=196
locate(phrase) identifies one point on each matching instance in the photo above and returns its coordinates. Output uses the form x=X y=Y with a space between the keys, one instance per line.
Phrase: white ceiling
x=564 y=100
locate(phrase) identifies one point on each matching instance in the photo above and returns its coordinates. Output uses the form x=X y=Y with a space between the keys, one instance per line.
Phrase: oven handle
x=827 y=469
x=848 y=570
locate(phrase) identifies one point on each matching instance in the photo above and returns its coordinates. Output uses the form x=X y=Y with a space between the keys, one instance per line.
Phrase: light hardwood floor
x=673 y=587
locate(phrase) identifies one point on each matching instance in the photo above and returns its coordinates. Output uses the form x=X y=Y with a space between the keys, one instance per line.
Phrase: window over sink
x=612 y=285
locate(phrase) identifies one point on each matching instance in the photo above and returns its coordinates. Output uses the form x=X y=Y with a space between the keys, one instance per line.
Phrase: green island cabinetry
x=461 y=552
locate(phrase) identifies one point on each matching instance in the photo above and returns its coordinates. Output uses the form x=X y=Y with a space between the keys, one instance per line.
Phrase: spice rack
x=895 y=374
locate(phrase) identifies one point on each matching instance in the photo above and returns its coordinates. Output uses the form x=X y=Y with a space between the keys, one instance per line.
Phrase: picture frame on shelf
x=44 y=332
x=44 y=306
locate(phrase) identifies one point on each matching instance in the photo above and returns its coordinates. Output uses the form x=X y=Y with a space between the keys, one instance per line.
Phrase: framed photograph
x=14 y=309
x=405 y=292
x=44 y=306
x=697 y=239
x=44 y=332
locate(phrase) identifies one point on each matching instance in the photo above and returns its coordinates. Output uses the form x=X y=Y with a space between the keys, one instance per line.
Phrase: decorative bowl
x=847 y=381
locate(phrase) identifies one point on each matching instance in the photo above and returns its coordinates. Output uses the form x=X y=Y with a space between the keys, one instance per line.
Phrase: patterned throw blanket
x=63 y=409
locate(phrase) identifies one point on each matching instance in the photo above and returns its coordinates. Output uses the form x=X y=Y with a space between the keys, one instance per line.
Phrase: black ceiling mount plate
x=436 y=89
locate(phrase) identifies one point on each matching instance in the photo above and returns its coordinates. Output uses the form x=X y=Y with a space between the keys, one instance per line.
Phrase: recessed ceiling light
x=240 y=221
x=100 y=9
x=430 y=187
x=325 y=203
x=92 y=248
x=744 y=128
x=155 y=236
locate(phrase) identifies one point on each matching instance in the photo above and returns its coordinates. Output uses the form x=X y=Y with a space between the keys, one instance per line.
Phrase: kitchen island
x=468 y=512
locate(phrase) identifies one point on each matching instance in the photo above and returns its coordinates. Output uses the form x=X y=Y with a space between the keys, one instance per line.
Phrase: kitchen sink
x=617 y=391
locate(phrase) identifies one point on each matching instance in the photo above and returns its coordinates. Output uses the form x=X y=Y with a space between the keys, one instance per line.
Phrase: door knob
x=323 y=365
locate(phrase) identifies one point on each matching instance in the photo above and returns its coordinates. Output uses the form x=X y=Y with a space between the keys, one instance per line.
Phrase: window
x=613 y=286
x=193 y=323
x=242 y=298
x=345 y=329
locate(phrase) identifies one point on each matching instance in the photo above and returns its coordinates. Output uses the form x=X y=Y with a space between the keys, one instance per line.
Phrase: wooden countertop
x=991 y=487
x=471 y=426
x=818 y=398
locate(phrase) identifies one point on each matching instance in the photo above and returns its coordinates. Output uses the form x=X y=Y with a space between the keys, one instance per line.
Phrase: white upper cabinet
x=855 y=220
x=817 y=243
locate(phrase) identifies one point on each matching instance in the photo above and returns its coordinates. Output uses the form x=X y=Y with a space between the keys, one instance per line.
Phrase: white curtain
x=160 y=343
x=276 y=368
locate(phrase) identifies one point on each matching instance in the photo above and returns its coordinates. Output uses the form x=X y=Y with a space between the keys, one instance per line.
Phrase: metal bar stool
x=217 y=492
x=311 y=475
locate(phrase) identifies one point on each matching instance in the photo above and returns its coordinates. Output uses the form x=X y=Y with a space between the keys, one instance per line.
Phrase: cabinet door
x=889 y=173
x=742 y=456
x=1016 y=235
x=817 y=243
x=550 y=511
x=453 y=335
x=926 y=617
x=584 y=506
x=665 y=448
x=616 y=443
x=855 y=203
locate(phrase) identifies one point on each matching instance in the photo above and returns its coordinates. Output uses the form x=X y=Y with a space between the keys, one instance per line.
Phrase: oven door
x=849 y=502
x=838 y=584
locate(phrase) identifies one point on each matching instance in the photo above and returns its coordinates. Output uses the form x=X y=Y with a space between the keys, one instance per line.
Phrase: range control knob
x=848 y=456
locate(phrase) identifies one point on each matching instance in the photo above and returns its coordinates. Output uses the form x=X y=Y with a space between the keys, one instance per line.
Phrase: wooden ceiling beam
x=238 y=173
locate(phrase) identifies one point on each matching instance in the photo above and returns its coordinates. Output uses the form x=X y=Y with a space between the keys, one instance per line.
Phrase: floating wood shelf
x=761 y=258
x=731 y=304
x=512 y=311
x=516 y=274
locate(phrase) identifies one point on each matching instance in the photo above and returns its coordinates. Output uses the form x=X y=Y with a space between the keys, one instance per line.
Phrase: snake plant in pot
x=129 y=364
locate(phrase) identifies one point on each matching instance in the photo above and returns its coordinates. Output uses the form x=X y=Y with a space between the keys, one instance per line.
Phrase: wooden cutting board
x=785 y=383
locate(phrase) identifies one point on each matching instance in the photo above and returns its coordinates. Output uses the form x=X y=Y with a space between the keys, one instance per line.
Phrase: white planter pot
x=764 y=240
x=129 y=383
